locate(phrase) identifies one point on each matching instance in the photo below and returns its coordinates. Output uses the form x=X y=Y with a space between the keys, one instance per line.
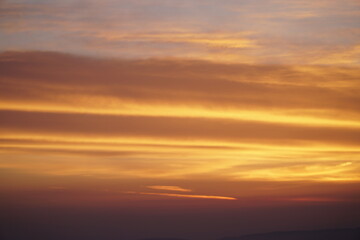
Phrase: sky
x=128 y=119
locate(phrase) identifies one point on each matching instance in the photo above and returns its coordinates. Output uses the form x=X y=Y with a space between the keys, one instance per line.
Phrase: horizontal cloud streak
x=187 y=196
x=168 y=127
x=131 y=87
x=170 y=188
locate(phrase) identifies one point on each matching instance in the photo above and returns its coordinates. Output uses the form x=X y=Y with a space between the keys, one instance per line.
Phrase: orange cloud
x=224 y=91
x=170 y=188
x=342 y=56
x=318 y=171
x=225 y=40
x=187 y=196
x=177 y=118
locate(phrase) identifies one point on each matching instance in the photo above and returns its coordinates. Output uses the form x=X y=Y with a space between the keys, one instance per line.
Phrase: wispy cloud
x=319 y=171
x=187 y=196
x=216 y=39
x=241 y=32
x=169 y=188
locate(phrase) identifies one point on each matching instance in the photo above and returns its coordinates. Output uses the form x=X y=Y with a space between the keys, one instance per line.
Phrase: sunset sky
x=198 y=119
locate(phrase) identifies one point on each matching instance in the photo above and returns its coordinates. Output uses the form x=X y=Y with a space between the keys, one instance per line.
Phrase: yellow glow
x=170 y=188
x=168 y=142
x=187 y=196
x=315 y=172
x=187 y=158
x=132 y=109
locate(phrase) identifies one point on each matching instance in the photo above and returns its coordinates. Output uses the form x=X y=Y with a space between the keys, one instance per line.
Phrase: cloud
x=317 y=171
x=226 y=89
x=170 y=188
x=216 y=39
x=263 y=31
x=170 y=127
x=347 y=55
x=176 y=118
x=187 y=196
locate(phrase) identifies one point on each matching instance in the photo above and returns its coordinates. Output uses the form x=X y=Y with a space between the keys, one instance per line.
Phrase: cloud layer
x=178 y=118
x=264 y=31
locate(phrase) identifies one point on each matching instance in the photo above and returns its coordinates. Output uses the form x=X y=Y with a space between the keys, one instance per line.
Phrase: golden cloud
x=170 y=188
x=177 y=118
